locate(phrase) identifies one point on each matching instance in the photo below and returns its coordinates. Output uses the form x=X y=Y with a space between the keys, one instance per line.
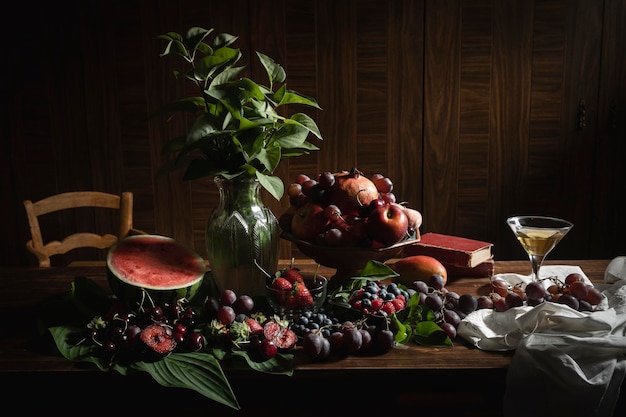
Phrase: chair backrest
x=43 y=251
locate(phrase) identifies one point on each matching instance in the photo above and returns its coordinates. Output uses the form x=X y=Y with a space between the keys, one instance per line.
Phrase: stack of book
x=462 y=257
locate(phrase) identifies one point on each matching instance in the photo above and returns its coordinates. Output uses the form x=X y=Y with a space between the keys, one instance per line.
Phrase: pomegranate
x=351 y=191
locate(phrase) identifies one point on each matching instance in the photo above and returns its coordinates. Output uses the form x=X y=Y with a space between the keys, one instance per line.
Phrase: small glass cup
x=290 y=304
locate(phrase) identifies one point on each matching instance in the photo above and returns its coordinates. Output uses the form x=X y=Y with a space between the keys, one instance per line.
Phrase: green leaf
x=275 y=72
x=415 y=310
x=224 y=76
x=187 y=104
x=249 y=90
x=272 y=184
x=291 y=135
x=281 y=364
x=206 y=65
x=293 y=97
x=169 y=36
x=91 y=299
x=269 y=157
x=203 y=48
x=307 y=122
x=67 y=340
x=224 y=39
x=402 y=333
x=201 y=128
x=174 y=145
x=306 y=148
x=197 y=371
x=194 y=36
x=429 y=333
x=175 y=47
x=378 y=270
x=199 y=168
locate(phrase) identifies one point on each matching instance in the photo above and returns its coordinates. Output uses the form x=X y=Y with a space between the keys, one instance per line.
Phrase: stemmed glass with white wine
x=538 y=236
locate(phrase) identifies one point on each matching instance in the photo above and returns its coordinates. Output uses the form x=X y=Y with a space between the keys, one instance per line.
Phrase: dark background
x=472 y=108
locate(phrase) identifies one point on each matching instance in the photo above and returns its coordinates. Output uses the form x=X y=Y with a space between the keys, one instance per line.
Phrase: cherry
x=267 y=349
x=194 y=341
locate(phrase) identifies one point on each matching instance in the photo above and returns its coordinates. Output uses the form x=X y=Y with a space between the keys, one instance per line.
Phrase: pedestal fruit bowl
x=343 y=220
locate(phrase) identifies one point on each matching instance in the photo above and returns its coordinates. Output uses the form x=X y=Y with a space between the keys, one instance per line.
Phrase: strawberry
x=302 y=296
x=255 y=326
x=282 y=284
x=292 y=275
x=282 y=290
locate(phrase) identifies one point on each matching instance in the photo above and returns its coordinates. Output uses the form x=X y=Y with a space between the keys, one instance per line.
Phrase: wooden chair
x=70 y=200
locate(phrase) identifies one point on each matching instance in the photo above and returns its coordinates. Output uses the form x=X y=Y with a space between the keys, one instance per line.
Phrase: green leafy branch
x=238 y=128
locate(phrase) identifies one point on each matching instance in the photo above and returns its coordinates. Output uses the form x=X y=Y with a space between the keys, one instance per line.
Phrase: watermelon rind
x=127 y=285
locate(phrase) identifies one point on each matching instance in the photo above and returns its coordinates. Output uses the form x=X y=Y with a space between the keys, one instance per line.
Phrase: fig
x=157 y=338
x=281 y=335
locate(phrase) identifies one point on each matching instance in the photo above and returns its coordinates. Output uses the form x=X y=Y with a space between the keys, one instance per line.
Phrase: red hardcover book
x=452 y=250
x=483 y=269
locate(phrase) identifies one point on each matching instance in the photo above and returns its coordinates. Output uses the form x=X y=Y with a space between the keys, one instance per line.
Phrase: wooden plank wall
x=461 y=103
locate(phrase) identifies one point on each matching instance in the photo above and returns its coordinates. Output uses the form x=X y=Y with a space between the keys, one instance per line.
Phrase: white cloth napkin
x=566 y=362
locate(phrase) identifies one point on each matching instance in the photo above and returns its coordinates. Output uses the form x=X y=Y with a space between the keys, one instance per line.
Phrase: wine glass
x=538 y=235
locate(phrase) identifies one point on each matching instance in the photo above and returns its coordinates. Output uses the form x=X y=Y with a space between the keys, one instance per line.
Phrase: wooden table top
x=22 y=289
x=462 y=380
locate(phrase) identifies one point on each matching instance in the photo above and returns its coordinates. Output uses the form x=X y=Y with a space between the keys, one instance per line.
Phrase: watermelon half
x=154 y=265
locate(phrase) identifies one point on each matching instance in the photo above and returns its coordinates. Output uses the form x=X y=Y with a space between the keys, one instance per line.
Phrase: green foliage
x=425 y=330
x=199 y=371
x=415 y=323
x=238 y=129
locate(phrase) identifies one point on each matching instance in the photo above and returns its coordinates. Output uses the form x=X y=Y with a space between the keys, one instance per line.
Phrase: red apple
x=388 y=224
x=308 y=222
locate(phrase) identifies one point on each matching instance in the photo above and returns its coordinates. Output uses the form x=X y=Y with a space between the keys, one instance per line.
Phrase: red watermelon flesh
x=154 y=262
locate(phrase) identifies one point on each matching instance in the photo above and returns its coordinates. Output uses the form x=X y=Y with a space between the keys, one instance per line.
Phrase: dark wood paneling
x=509 y=120
x=475 y=77
x=405 y=80
x=441 y=115
x=468 y=106
x=609 y=141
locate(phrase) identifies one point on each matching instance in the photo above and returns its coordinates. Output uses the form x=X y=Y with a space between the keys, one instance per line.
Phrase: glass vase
x=240 y=231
